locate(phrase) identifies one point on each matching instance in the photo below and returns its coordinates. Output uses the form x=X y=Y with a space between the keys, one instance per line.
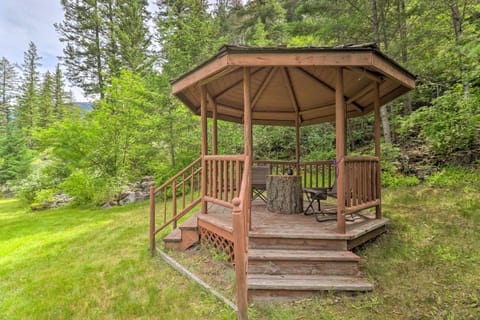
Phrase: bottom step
x=262 y=286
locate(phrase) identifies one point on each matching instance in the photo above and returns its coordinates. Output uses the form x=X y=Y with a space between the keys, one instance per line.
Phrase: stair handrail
x=188 y=174
x=240 y=216
x=169 y=181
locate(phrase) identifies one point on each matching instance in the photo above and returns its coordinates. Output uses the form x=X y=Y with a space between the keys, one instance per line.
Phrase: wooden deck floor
x=266 y=223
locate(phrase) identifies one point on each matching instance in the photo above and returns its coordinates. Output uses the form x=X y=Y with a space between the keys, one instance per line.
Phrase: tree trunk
x=376 y=35
x=457 y=20
x=376 y=32
x=402 y=27
x=284 y=194
x=98 y=55
x=171 y=139
x=385 y=125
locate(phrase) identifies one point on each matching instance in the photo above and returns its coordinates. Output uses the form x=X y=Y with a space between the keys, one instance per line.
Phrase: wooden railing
x=182 y=190
x=315 y=174
x=224 y=177
x=362 y=183
x=240 y=215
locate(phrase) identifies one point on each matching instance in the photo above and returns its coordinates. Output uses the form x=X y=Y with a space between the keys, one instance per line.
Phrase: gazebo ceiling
x=291 y=82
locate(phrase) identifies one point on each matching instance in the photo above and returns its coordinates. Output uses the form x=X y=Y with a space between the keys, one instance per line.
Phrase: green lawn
x=90 y=264
x=94 y=264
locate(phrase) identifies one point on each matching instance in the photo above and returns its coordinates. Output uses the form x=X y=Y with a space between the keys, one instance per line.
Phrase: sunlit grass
x=426 y=267
x=90 y=264
x=94 y=264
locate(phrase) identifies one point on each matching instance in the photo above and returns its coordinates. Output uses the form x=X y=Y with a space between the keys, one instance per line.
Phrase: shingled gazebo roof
x=287 y=83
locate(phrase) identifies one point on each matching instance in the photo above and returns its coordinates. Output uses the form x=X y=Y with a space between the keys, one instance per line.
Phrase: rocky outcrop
x=56 y=201
x=133 y=192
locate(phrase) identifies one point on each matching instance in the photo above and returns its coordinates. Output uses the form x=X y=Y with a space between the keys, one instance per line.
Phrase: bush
x=88 y=189
x=450 y=125
x=398 y=180
x=455 y=177
x=26 y=189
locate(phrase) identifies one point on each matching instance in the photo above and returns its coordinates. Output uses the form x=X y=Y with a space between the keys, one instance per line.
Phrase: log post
x=240 y=248
x=152 y=217
x=297 y=145
x=248 y=140
x=340 y=149
x=376 y=108
x=203 y=111
x=214 y=129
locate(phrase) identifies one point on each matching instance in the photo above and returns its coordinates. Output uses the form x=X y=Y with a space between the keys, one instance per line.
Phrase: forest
x=122 y=54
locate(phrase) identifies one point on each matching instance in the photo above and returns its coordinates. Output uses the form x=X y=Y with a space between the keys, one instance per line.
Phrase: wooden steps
x=294 y=242
x=302 y=262
x=288 y=287
x=292 y=266
x=290 y=257
x=184 y=236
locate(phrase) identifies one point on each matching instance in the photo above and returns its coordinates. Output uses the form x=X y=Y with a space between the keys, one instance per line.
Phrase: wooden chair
x=259 y=182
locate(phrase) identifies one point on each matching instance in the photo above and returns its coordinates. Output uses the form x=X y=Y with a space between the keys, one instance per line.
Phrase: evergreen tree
x=8 y=86
x=228 y=19
x=46 y=102
x=102 y=37
x=62 y=99
x=83 y=32
x=133 y=36
x=186 y=35
x=27 y=109
x=15 y=157
x=265 y=17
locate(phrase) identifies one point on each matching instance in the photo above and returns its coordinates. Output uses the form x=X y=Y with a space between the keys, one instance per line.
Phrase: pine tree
x=83 y=32
x=62 y=100
x=186 y=33
x=133 y=36
x=102 y=37
x=8 y=86
x=265 y=17
x=46 y=102
x=15 y=157
x=29 y=98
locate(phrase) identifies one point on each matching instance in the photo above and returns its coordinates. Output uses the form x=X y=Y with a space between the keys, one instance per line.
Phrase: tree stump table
x=284 y=194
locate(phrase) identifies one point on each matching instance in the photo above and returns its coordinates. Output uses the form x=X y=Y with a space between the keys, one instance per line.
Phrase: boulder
x=133 y=192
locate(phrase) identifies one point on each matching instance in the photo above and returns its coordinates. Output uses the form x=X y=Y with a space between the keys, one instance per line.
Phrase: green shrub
x=26 y=189
x=88 y=189
x=455 y=177
x=450 y=125
x=398 y=180
x=44 y=196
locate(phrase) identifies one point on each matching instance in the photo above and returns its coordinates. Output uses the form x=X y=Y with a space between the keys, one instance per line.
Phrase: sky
x=22 y=21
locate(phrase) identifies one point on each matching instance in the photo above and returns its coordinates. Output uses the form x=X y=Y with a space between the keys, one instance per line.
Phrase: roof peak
x=231 y=47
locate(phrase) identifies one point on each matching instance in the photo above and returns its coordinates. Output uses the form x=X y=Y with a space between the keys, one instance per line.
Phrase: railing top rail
x=244 y=185
x=233 y=157
x=181 y=172
x=361 y=158
x=292 y=162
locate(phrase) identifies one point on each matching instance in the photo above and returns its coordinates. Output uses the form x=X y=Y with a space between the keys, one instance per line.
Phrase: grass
x=94 y=264
x=426 y=267
x=90 y=264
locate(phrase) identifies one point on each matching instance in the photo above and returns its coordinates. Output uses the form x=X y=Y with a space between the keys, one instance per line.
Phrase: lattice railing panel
x=210 y=238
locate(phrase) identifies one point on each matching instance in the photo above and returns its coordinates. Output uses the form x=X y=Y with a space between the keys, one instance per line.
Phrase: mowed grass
x=90 y=264
x=94 y=264
x=426 y=267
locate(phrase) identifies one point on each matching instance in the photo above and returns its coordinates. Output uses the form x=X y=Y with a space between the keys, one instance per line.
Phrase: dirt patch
x=210 y=266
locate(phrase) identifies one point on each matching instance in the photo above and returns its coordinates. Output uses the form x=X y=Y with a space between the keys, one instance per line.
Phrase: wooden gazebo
x=286 y=87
